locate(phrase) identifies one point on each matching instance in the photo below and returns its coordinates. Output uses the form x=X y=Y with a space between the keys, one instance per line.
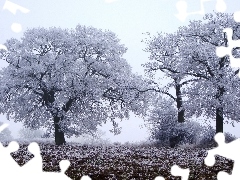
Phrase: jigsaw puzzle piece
x=85 y=178
x=64 y=164
x=228 y=150
x=182 y=8
x=223 y=51
x=237 y=16
x=221 y=6
x=159 y=178
x=28 y=175
x=6 y=156
x=223 y=176
x=12 y=7
x=35 y=164
x=177 y=171
x=11 y=169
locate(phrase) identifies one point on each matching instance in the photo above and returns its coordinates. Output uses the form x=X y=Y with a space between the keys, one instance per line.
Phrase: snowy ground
x=124 y=161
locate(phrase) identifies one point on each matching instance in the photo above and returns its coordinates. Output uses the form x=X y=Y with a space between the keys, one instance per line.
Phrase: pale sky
x=127 y=18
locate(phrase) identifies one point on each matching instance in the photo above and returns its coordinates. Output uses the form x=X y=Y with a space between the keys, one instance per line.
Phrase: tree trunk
x=59 y=135
x=219 y=97
x=219 y=110
x=181 y=112
x=219 y=120
x=174 y=140
x=48 y=100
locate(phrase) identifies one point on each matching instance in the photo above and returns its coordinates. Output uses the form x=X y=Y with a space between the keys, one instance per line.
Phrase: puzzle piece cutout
x=7 y=163
x=13 y=8
x=177 y=171
x=228 y=150
x=223 y=51
x=182 y=8
x=31 y=169
x=159 y=178
x=9 y=168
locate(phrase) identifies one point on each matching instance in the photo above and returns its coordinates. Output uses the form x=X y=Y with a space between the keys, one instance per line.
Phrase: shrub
x=171 y=133
x=166 y=130
x=229 y=137
x=207 y=138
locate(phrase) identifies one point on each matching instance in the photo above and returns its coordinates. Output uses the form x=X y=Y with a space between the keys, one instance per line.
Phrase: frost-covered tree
x=69 y=81
x=165 y=60
x=216 y=93
x=188 y=56
x=5 y=135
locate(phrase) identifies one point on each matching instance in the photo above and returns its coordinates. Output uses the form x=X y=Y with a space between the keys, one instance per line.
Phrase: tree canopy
x=216 y=94
x=68 y=80
x=189 y=58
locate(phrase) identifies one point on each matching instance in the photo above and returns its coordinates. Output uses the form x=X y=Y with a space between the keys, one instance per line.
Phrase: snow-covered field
x=124 y=161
